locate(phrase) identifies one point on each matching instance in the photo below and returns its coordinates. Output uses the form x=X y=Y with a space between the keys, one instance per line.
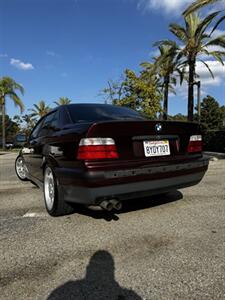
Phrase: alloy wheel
x=21 y=168
x=49 y=188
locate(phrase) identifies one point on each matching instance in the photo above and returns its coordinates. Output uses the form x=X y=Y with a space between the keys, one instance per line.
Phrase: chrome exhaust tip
x=106 y=205
x=116 y=204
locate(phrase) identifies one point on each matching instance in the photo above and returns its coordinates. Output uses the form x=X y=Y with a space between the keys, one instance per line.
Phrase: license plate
x=156 y=148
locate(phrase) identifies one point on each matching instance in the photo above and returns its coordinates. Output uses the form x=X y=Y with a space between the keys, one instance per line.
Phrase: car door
x=28 y=149
x=39 y=146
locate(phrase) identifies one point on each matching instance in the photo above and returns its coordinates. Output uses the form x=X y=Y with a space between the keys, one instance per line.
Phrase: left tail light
x=97 y=148
x=195 y=144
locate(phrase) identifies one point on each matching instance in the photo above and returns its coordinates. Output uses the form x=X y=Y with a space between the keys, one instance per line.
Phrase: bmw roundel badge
x=158 y=127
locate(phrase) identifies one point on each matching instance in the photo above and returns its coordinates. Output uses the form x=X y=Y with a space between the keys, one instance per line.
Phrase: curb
x=2 y=153
x=215 y=155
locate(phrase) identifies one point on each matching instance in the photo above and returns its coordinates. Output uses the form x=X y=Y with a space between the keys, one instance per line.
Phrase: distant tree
x=113 y=92
x=8 y=90
x=222 y=108
x=167 y=67
x=25 y=123
x=11 y=128
x=196 y=41
x=63 y=101
x=39 y=109
x=211 y=114
x=141 y=93
x=178 y=117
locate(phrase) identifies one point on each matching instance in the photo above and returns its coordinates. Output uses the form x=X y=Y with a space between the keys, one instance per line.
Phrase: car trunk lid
x=132 y=138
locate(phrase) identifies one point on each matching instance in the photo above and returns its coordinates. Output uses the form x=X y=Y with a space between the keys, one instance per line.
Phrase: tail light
x=97 y=148
x=195 y=144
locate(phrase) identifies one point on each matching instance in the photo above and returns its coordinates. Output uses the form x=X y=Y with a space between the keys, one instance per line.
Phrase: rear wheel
x=55 y=205
x=21 y=168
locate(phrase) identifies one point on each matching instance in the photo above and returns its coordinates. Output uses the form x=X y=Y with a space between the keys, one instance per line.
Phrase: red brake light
x=195 y=144
x=97 y=148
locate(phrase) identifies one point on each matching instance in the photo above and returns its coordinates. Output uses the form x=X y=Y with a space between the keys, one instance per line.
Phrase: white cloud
x=218 y=32
x=3 y=55
x=218 y=70
x=21 y=65
x=206 y=79
x=216 y=7
x=52 y=53
x=174 y=7
x=166 y=6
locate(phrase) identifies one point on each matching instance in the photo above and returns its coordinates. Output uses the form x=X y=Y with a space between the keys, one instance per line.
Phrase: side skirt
x=36 y=181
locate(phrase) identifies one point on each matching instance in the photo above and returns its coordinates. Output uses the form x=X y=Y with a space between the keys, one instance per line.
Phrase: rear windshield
x=101 y=112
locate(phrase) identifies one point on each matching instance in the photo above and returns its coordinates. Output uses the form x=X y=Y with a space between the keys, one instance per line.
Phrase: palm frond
x=63 y=101
x=218 y=55
x=163 y=42
x=197 y=5
x=207 y=66
x=217 y=24
x=192 y=21
x=205 y=51
x=19 y=87
x=205 y=23
x=178 y=31
x=40 y=109
x=181 y=74
x=17 y=101
x=218 y=41
x=8 y=88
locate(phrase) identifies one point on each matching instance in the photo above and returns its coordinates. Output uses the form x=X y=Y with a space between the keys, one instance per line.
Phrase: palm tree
x=197 y=5
x=63 y=101
x=196 y=41
x=8 y=89
x=166 y=65
x=39 y=110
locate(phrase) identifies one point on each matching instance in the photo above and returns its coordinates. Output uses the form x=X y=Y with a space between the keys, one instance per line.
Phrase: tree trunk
x=191 y=89
x=3 y=124
x=165 y=100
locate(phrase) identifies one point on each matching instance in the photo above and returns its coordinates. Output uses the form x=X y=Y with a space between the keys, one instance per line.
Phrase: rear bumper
x=91 y=188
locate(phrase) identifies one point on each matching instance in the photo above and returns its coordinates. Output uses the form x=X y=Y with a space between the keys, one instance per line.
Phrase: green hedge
x=214 y=141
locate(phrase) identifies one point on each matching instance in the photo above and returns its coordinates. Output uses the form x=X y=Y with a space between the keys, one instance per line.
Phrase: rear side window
x=55 y=121
x=48 y=119
x=47 y=124
x=36 y=130
x=92 y=113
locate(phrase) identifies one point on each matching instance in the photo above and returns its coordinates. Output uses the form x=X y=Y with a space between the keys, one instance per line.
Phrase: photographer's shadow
x=99 y=283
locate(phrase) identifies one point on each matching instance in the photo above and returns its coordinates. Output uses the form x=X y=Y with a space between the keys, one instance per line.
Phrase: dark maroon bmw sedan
x=98 y=154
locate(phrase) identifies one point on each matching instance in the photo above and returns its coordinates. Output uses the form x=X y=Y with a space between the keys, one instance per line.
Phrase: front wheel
x=55 y=205
x=21 y=168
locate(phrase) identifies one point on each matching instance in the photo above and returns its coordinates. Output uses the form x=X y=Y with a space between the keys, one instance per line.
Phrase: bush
x=214 y=140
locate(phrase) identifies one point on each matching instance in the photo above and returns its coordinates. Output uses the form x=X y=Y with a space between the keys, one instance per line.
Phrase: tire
x=55 y=205
x=21 y=168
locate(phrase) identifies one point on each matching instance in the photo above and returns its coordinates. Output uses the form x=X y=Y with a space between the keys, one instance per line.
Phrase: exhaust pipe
x=116 y=204
x=106 y=205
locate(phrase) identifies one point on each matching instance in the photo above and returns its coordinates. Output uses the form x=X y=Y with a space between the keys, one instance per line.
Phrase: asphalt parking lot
x=165 y=247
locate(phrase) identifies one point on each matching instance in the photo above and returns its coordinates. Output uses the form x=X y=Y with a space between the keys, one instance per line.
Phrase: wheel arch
x=48 y=161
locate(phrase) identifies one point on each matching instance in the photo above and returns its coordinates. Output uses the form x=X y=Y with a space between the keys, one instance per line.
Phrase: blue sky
x=71 y=48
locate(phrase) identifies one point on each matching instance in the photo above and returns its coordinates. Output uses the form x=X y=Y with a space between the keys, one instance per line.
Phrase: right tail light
x=195 y=144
